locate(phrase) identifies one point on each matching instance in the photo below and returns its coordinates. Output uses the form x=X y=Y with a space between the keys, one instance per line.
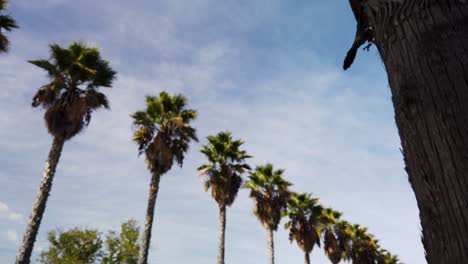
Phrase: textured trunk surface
x=424 y=45
x=146 y=237
x=222 y=230
x=45 y=187
x=307 y=258
x=271 y=246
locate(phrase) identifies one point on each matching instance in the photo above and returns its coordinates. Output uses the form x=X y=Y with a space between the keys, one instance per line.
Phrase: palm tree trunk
x=222 y=230
x=307 y=258
x=423 y=44
x=271 y=246
x=24 y=255
x=146 y=237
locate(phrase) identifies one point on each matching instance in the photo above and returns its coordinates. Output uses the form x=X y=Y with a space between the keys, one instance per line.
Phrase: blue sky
x=269 y=71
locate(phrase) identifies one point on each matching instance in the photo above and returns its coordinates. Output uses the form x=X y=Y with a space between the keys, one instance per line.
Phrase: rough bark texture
x=271 y=246
x=222 y=230
x=146 y=236
x=45 y=187
x=307 y=258
x=424 y=45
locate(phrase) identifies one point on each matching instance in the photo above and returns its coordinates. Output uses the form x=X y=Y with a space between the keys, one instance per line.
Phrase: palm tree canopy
x=163 y=130
x=76 y=74
x=7 y=23
x=334 y=250
x=225 y=167
x=305 y=220
x=343 y=233
x=385 y=257
x=270 y=191
x=364 y=248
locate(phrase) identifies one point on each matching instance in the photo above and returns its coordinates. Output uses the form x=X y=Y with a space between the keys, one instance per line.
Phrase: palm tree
x=270 y=193
x=163 y=133
x=385 y=257
x=364 y=248
x=422 y=44
x=7 y=23
x=226 y=164
x=338 y=241
x=305 y=222
x=333 y=247
x=76 y=74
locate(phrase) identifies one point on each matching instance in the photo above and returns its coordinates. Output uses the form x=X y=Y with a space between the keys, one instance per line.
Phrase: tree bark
x=24 y=255
x=222 y=230
x=424 y=45
x=307 y=258
x=271 y=246
x=146 y=237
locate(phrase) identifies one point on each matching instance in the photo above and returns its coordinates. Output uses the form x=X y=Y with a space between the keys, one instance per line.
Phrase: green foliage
x=75 y=74
x=306 y=221
x=163 y=130
x=123 y=248
x=72 y=247
x=270 y=193
x=86 y=246
x=225 y=167
x=7 y=23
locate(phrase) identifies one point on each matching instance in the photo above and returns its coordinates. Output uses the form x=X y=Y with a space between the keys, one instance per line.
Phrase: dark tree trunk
x=222 y=231
x=424 y=45
x=24 y=255
x=146 y=236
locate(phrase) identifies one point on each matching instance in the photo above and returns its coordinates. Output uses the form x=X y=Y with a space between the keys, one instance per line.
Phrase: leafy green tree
x=7 y=23
x=75 y=246
x=163 y=133
x=123 y=248
x=270 y=193
x=305 y=222
x=72 y=95
x=223 y=173
x=87 y=246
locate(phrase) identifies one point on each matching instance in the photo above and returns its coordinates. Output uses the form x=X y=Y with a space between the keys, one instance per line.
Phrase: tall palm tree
x=76 y=73
x=305 y=222
x=333 y=247
x=223 y=172
x=270 y=193
x=7 y=23
x=338 y=241
x=385 y=257
x=364 y=248
x=163 y=133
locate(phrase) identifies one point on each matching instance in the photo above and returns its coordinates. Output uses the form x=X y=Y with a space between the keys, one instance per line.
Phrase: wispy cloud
x=11 y=236
x=7 y=214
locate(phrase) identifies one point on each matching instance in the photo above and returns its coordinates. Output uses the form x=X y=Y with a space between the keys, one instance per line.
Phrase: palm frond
x=69 y=98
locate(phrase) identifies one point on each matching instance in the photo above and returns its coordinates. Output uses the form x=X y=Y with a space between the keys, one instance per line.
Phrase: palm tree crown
x=270 y=192
x=7 y=23
x=163 y=130
x=331 y=244
x=225 y=167
x=305 y=221
x=364 y=248
x=76 y=73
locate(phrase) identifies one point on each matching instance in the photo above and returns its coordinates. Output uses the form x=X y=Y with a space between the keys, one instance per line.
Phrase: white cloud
x=8 y=214
x=11 y=236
